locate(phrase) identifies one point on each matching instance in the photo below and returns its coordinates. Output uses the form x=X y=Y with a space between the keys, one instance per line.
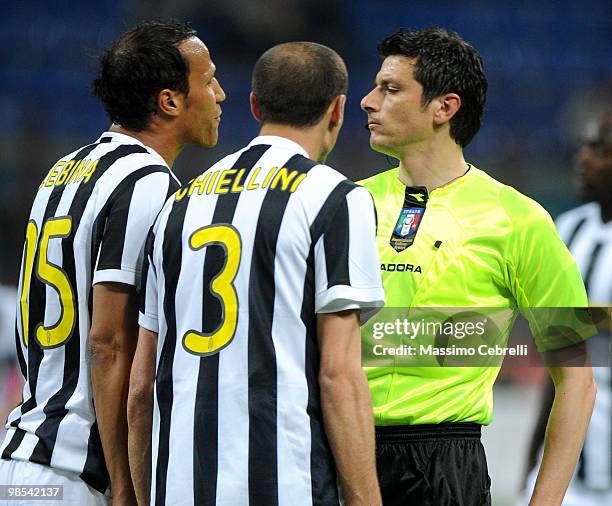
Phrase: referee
x=471 y=242
x=77 y=309
x=259 y=270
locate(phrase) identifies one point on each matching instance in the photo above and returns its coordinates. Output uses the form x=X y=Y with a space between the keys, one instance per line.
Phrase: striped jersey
x=589 y=240
x=88 y=224
x=240 y=261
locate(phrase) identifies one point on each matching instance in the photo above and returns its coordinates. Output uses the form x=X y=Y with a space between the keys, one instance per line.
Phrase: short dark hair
x=445 y=63
x=295 y=82
x=137 y=66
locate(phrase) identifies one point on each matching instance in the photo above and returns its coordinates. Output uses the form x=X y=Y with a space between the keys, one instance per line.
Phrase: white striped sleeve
x=133 y=207
x=148 y=317
x=347 y=269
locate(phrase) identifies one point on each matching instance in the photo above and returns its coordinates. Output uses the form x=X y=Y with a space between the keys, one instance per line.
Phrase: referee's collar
x=128 y=139
x=279 y=142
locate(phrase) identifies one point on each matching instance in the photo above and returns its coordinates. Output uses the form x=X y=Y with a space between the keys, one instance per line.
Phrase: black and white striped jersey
x=589 y=240
x=88 y=224
x=239 y=262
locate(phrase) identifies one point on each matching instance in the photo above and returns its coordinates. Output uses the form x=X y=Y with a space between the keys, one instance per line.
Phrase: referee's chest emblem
x=409 y=219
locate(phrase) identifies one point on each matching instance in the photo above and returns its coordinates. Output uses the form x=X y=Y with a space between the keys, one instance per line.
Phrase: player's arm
x=348 y=286
x=111 y=343
x=567 y=425
x=140 y=414
x=347 y=406
x=142 y=379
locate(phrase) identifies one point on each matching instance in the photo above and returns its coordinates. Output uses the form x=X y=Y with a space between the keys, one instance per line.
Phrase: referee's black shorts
x=432 y=465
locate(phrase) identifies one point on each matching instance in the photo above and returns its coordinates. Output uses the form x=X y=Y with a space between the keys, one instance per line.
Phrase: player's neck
x=432 y=164
x=154 y=140
x=308 y=138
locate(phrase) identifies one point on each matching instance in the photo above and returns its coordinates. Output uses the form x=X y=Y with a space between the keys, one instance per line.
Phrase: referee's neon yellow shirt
x=499 y=249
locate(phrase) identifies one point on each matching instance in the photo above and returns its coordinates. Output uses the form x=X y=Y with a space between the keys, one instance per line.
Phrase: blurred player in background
x=477 y=243
x=77 y=315
x=587 y=232
x=10 y=379
x=258 y=271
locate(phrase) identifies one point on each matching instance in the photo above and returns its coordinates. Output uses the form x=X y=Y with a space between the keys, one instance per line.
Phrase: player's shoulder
x=114 y=163
x=327 y=175
x=322 y=180
x=324 y=190
x=585 y=211
x=570 y=222
x=128 y=154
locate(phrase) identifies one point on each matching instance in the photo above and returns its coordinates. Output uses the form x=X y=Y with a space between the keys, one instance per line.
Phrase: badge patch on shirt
x=407 y=225
x=408 y=221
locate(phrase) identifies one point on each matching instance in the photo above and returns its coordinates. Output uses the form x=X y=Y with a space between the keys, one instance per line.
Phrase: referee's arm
x=567 y=425
x=347 y=406
x=546 y=276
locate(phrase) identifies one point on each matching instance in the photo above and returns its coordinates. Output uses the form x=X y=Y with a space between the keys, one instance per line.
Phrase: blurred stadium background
x=549 y=65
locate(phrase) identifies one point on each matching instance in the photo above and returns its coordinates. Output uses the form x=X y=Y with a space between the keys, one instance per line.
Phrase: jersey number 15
x=52 y=275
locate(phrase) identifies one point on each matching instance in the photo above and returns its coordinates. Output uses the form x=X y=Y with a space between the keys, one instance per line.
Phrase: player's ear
x=169 y=102
x=448 y=106
x=337 y=111
x=254 y=107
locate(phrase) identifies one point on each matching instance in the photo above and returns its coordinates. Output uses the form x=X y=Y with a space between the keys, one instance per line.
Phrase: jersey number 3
x=222 y=287
x=53 y=276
